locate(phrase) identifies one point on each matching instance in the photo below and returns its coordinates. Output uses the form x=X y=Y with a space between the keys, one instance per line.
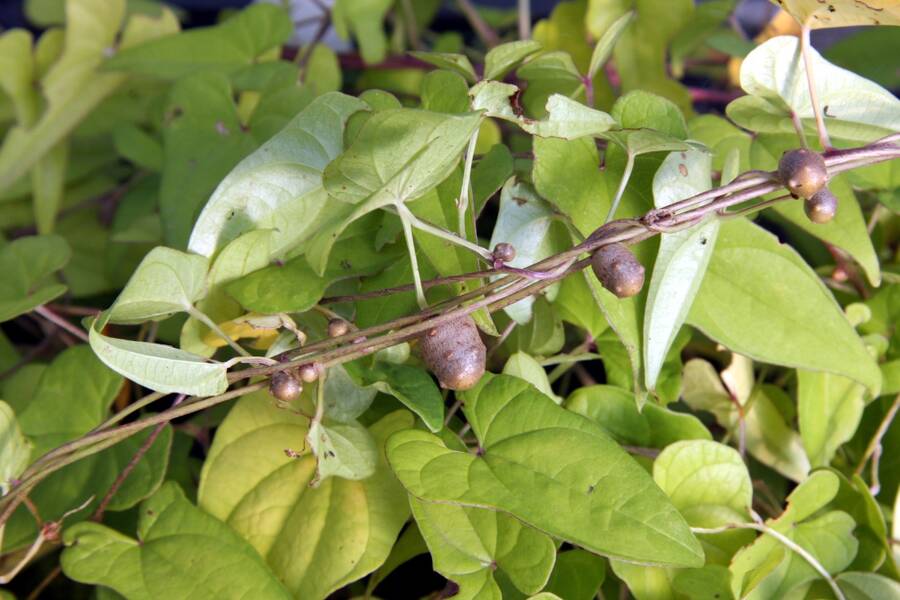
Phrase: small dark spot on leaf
x=519 y=200
x=591 y=489
x=682 y=168
x=221 y=129
x=831 y=8
x=278 y=262
x=346 y=264
x=702 y=241
x=150 y=513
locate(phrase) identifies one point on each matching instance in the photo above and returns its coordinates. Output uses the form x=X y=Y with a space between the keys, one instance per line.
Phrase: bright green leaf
x=612 y=506
x=502 y=59
x=15 y=449
x=180 y=552
x=607 y=42
x=397 y=156
x=166 y=282
x=748 y=303
x=615 y=410
x=577 y=575
x=469 y=544
x=365 y=20
x=829 y=408
x=27 y=264
x=236 y=42
x=458 y=63
x=707 y=481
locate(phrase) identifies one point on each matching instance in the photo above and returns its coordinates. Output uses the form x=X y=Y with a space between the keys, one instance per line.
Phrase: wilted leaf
x=565 y=118
x=843 y=13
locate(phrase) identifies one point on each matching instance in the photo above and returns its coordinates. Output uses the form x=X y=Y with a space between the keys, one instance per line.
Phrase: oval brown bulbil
x=618 y=270
x=822 y=207
x=802 y=172
x=284 y=386
x=455 y=353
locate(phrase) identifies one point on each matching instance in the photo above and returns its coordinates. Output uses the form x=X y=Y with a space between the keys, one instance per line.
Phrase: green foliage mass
x=186 y=211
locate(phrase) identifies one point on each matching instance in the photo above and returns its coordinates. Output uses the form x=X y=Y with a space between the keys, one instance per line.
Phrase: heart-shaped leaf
x=747 y=303
x=536 y=457
x=468 y=545
x=774 y=76
x=316 y=540
x=280 y=185
x=26 y=264
x=166 y=282
x=180 y=552
x=398 y=155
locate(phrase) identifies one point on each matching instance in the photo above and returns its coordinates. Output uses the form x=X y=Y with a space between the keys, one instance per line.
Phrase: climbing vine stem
x=495 y=295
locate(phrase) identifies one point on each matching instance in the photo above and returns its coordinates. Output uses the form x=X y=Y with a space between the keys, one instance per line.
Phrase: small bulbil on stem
x=504 y=252
x=802 y=172
x=822 y=207
x=455 y=353
x=618 y=270
x=285 y=386
x=309 y=372
x=338 y=327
